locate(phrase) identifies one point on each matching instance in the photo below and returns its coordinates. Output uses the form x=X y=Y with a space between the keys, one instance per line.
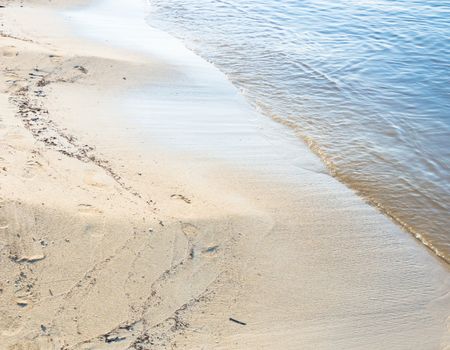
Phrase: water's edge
x=332 y=171
x=316 y=149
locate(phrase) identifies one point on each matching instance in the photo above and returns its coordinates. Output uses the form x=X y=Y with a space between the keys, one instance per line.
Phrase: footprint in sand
x=9 y=326
x=3 y=224
x=14 y=135
x=31 y=169
x=189 y=230
x=181 y=197
x=96 y=179
x=13 y=141
x=88 y=209
x=9 y=51
x=55 y=58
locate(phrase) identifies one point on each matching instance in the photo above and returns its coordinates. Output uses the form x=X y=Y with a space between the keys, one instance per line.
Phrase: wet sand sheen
x=184 y=215
x=347 y=272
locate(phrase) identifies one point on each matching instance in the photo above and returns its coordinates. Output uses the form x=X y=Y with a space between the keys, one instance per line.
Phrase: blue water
x=365 y=83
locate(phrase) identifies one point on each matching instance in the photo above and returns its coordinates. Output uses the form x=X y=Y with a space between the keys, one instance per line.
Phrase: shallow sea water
x=366 y=84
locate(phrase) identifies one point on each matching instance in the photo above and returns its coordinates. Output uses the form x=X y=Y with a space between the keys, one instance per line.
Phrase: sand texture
x=110 y=239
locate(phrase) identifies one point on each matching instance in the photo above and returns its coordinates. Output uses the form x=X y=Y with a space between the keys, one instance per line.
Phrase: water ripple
x=365 y=83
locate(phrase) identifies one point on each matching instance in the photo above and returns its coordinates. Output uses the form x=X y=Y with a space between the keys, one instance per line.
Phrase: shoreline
x=112 y=238
x=410 y=197
x=251 y=109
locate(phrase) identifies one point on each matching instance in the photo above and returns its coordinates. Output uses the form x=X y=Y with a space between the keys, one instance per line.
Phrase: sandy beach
x=144 y=205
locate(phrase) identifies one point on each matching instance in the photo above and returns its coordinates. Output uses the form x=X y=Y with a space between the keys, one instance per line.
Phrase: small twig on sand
x=237 y=321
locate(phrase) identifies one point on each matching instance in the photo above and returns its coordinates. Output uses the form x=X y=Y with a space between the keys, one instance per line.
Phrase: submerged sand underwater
x=363 y=83
x=143 y=206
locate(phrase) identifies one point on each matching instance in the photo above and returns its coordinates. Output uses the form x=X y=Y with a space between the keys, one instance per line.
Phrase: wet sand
x=145 y=206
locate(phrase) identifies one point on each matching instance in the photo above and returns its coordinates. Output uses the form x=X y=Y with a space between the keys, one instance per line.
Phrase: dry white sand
x=116 y=233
